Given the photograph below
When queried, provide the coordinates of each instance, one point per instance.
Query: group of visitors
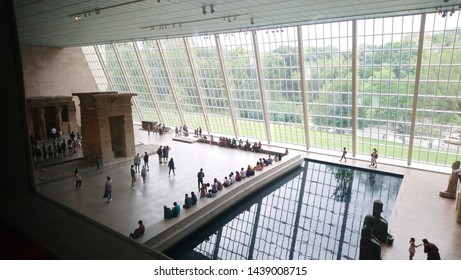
(57, 149)
(246, 146)
(183, 130)
(159, 128)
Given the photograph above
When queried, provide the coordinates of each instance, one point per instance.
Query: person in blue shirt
(176, 209)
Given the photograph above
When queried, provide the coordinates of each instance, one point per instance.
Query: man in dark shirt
(200, 176)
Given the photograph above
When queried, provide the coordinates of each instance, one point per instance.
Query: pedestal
(458, 208)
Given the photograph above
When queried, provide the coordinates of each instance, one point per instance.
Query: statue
(452, 181)
(381, 226)
(370, 247)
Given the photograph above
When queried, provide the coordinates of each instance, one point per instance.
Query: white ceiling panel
(52, 22)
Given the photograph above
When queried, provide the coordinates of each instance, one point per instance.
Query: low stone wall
(166, 233)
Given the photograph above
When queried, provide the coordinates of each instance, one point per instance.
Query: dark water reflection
(299, 217)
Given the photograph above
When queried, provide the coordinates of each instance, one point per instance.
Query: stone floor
(419, 212)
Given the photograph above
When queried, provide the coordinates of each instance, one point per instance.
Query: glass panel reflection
(307, 215)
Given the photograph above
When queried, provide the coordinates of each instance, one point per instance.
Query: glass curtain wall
(240, 62)
(158, 79)
(278, 51)
(211, 84)
(183, 85)
(132, 66)
(187, 81)
(96, 67)
(328, 68)
(438, 118)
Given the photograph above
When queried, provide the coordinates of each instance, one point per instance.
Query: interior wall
(56, 72)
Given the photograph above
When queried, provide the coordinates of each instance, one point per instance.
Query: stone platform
(189, 139)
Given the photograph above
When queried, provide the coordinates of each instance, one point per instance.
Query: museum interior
(96, 83)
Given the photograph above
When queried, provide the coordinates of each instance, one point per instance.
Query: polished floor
(419, 211)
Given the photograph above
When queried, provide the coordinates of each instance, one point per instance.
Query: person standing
(171, 167)
(143, 174)
(137, 162)
(412, 248)
(98, 165)
(133, 175)
(344, 155)
(146, 160)
(148, 129)
(108, 190)
(78, 179)
(200, 176)
(431, 250)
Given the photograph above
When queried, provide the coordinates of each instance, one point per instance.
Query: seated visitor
(210, 194)
(258, 166)
(250, 171)
(276, 158)
(187, 202)
(139, 231)
(262, 162)
(234, 143)
(176, 209)
(226, 182)
(231, 178)
(247, 145)
(219, 185)
(254, 148)
(240, 144)
(269, 160)
(260, 146)
(204, 190)
(237, 176)
(167, 213)
(214, 187)
(193, 198)
(243, 173)
(266, 162)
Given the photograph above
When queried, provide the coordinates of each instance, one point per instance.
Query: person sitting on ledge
(167, 213)
(214, 187)
(226, 182)
(210, 194)
(203, 190)
(258, 166)
(139, 231)
(243, 173)
(231, 178)
(193, 198)
(269, 160)
(187, 202)
(237, 176)
(176, 209)
(250, 171)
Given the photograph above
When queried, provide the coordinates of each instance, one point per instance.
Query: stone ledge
(168, 232)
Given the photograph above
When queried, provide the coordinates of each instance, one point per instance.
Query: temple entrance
(117, 130)
(107, 125)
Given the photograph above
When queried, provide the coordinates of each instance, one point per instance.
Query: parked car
(453, 139)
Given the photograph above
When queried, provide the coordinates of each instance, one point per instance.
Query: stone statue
(380, 229)
(453, 181)
(370, 247)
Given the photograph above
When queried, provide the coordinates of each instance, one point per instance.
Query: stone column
(42, 124)
(58, 117)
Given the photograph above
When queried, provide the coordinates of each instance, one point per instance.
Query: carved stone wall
(107, 125)
(44, 113)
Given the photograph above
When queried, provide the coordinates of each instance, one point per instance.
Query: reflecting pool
(315, 212)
